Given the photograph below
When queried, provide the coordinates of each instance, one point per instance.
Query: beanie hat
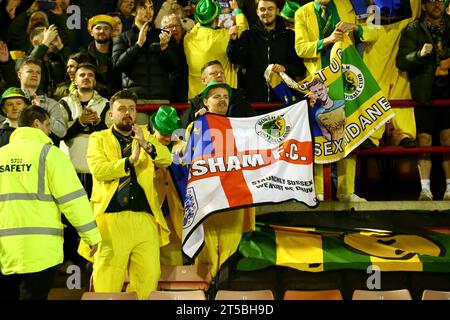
(101, 18)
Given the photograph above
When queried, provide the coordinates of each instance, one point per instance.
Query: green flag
(347, 103)
(317, 250)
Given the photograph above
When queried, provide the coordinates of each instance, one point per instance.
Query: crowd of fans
(89, 63)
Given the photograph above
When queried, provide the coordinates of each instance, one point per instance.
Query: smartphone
(224, 4)
(46, 4)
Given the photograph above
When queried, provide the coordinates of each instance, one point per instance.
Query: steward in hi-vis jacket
(37, 183)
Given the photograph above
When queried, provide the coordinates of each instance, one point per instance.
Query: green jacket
(420, 70)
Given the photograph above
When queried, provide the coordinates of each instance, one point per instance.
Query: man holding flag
(222, 231)
(318, 26)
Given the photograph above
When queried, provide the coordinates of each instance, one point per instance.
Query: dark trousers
(27, 286)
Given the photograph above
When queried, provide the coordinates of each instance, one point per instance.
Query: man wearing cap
(223, 231)
(11, 105)
(288, 14)
(267, 42)
(163, 125)
(122, 161)
(100, 50)
(238, 106)
(205, 43)
(145, 55)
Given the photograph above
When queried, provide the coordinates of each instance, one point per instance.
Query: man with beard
(424, 47)
(145, 57)
(84, 112)
(267, 42)
(100, 50)
(122, 160)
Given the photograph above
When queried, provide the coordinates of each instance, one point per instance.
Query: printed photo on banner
(346, 103)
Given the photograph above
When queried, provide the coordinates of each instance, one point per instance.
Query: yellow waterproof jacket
(37, 183)
(107, 166)
(307, 32)
(379, 56)
(204, 44)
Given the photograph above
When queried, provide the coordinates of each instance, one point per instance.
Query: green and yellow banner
(347, 104)
(313, 250)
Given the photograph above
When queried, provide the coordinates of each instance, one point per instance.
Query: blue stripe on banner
(284, 93)
(180, 174)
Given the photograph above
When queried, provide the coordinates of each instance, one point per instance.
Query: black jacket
(106, 75)
(53, 70)
(178, 78)
(256, 49)
(238, 107)
(5, 133)
(421, 70)
(145, 70)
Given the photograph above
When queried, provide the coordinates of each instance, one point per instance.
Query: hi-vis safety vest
(37, 183)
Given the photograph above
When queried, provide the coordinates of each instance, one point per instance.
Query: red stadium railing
(384, 150)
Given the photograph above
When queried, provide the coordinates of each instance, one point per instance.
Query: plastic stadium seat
(244, 295)
(190, 277)
(334, 294)
(124, 287)
(178, 295)
(65, 294)
(109, 296)
(435, 295)
(402, 294)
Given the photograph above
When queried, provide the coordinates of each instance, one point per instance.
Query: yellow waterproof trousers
(223, 232)
(129, 240)
(346, 171)
(171, 254)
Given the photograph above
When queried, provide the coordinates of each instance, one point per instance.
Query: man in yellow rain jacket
(205, 42)
(379, 57)
(318, 25)
(125, 201)
(163, 124)
(37, 183)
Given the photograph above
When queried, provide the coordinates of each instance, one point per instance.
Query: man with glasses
(122, 160)
(424, 52)
(238, 105)
(178, 78)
